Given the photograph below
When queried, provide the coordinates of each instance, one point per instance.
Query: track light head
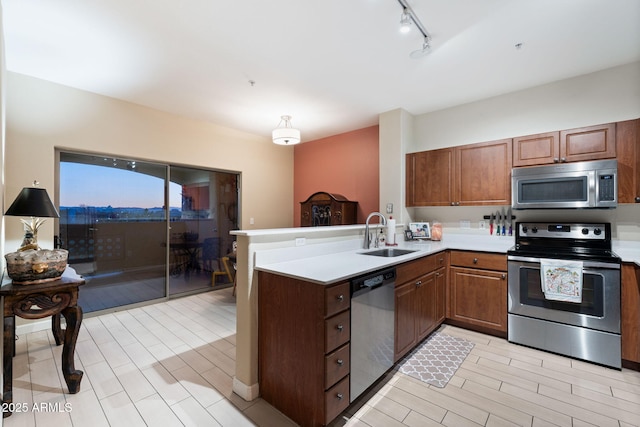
(405, 21)
(425, 50)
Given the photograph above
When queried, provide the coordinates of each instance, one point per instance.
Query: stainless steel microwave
(591, 184)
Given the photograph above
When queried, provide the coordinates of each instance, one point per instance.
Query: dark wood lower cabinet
(303, 340)
(630, 316)
(420, 302)
(478, 292)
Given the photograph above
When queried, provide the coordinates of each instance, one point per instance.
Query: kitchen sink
(389, 252)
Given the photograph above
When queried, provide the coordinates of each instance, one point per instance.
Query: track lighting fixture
(408, 16)
(285, 134)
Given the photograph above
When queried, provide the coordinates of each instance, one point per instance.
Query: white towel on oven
(561, 280)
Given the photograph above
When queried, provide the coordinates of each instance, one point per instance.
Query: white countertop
(628, 251)
(333, 262)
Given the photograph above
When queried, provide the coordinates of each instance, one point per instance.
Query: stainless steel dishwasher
(372, 328)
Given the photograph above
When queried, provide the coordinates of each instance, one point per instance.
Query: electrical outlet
(389, 208)
(251, 221)
(300, 241)
(465, 224)
(482, 225)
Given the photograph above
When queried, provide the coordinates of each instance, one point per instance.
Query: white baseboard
(247, 392)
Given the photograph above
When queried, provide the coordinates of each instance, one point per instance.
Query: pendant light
(284, 134)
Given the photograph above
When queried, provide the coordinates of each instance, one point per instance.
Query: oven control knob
(534, 230)
(525, 229)
(585, 231)
(597, 231)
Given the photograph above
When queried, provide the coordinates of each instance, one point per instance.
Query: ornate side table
(37, 301)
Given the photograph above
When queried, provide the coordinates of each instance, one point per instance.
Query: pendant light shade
(284, 134)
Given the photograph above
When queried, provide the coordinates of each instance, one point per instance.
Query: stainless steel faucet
(367, 238)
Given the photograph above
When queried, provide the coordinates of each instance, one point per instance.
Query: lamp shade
(34, 202)
(286, 136)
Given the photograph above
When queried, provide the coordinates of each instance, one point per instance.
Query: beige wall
(606, 96)
(42, 116)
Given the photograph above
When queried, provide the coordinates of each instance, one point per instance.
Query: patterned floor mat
(437, 359)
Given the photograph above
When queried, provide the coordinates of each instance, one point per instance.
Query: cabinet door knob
(340, 362)
(563, 159)
(638, 199)
(418, 283)
(475, 260)
(339, 396)
(504, 276)
(556, 160)
(340, 297)
(453, 203)
(340, 328)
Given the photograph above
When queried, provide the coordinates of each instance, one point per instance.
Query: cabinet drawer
(336, 400)
(412, 269)
(336, 299)
(337, 331)
(336, 366)
(481, 260)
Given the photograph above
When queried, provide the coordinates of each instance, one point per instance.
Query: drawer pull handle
(475, 260)
(340, 297)
(339, 396)
(340, 328)
(419, 283)
(339, 362)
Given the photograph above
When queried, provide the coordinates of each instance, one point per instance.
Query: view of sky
(90, 185)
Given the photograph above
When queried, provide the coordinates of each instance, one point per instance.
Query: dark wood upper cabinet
(475, 174)
(628, 149)
(573, 145)
(537, 149)
(483, 173)
(430, 178)
(588, 143)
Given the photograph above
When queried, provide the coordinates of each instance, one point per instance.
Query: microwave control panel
(607, 186)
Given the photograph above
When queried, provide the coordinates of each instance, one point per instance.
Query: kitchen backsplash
(625, 219)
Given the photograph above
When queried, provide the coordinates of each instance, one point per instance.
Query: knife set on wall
(503, 222)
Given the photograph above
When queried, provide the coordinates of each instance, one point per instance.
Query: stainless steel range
(564, 291)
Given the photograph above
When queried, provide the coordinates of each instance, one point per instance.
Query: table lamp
(31, 264)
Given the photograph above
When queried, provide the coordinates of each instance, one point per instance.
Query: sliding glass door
(199, 228)
(139, 231)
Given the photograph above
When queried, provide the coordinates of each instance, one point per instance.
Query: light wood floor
(172, 363)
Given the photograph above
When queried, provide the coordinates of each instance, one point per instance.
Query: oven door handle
(585, 264)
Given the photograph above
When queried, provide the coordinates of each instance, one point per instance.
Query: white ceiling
(334, 65)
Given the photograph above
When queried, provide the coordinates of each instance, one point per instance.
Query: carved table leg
(73, 317)
(8, 349)
(58, 333)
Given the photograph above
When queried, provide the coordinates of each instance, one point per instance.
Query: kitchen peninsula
(327, 258)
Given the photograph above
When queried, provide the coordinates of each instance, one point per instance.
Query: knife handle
(510, 231)
(491, 229)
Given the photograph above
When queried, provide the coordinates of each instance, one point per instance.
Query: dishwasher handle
(371, 281)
